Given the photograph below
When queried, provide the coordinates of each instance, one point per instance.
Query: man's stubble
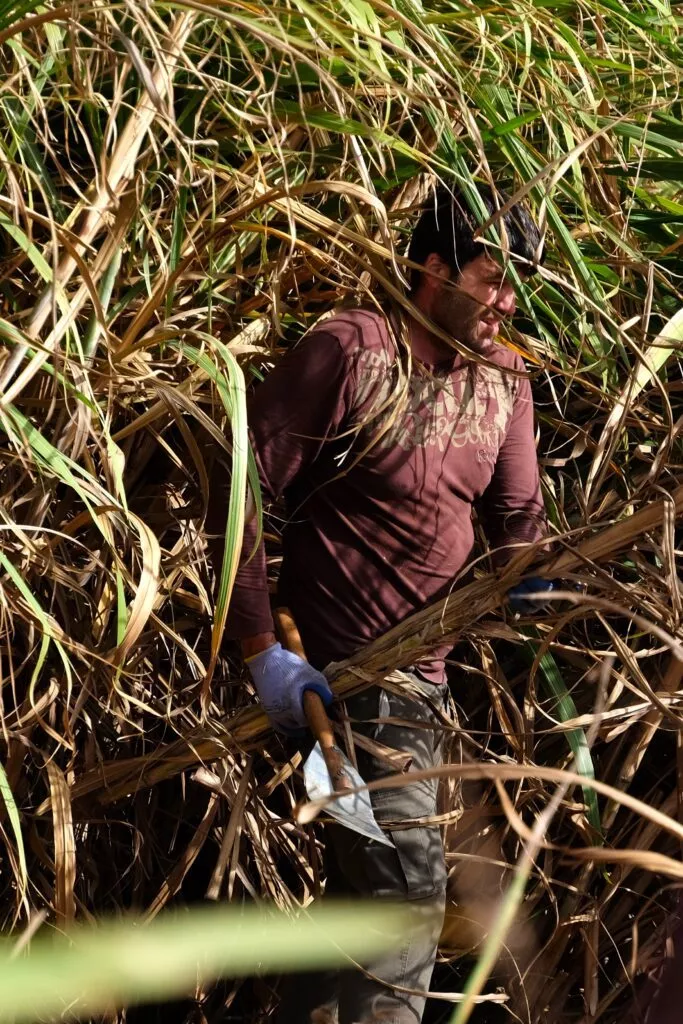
(459, 316)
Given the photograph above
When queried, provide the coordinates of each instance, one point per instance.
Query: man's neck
(426, 347)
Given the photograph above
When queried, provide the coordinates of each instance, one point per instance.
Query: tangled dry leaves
(183, 191)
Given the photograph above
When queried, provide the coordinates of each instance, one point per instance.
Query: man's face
(471, 306)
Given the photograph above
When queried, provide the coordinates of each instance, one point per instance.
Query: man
(379, 461)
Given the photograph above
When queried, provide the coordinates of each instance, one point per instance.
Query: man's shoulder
(506, 358)
(356, 329)
(505, 368)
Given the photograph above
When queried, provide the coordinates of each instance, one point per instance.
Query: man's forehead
(495, 262)
(492, 263)
(486, 263)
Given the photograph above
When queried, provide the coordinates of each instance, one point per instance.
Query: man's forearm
(249, 618)
(509, 534)
(252, 645)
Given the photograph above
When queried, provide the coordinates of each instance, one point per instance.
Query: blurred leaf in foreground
(127, 961)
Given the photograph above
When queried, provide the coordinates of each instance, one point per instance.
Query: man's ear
(436, 271)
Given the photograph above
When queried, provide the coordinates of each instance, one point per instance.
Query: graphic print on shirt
(469, 406)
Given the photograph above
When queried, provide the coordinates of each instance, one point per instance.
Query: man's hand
(530, 595)
(281, 678)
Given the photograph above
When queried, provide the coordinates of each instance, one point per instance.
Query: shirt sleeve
(301, 403)
(512, 506)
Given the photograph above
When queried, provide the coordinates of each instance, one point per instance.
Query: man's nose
(505, 302)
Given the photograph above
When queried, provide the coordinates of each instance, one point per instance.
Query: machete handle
(319, 724)
(288, 632)
(314, 709)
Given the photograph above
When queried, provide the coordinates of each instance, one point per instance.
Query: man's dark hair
(447, 227)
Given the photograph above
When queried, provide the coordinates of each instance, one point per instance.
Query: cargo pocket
(415, 869)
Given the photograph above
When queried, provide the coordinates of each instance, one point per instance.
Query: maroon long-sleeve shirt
(377, 495)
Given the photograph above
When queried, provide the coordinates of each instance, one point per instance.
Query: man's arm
(302, 401)
(512, 506)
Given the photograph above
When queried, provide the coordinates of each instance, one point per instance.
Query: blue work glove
(523, 604)
(281, 679)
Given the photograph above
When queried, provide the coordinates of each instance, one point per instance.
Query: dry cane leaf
(65, 846)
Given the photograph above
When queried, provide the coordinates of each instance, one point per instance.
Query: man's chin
(480, 345)
(479, 341)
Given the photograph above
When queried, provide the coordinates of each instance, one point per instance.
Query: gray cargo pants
(413, 870)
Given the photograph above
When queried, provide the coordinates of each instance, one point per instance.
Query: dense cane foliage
(184, 189)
